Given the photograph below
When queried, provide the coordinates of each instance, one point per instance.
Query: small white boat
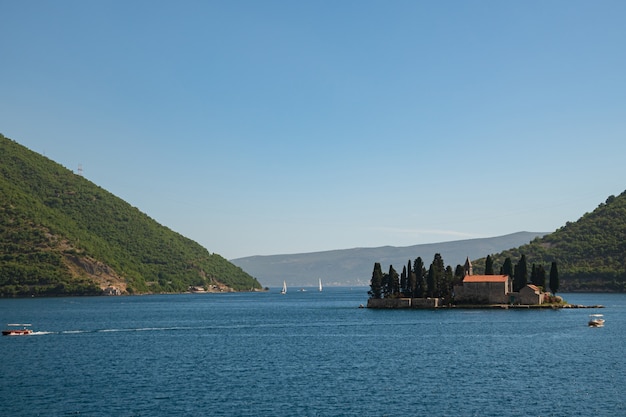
(320, 285)
(284, 290)
(596, 320)
(24, 331)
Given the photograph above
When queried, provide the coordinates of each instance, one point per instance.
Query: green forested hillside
(62, 234)
(590, 253)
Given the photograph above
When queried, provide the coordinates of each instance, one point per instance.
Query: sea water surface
(308, 354)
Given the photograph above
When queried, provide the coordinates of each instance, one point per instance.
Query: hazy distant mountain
(354, 266)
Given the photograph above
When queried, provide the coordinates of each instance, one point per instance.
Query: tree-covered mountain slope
(60, 234)
(590, 253)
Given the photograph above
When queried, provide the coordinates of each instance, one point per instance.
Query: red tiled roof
(533, 287)
(485, 278)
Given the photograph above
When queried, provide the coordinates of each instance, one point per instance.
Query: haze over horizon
(262, 128)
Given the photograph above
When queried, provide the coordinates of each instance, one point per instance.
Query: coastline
(437, 303)
(522, 306)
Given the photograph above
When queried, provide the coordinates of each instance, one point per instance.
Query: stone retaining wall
(403, 303)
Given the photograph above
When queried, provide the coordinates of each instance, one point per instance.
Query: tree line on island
(438, 281)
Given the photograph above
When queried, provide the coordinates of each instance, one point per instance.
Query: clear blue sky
(271, 127)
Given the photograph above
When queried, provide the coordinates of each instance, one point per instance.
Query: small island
(440, 288)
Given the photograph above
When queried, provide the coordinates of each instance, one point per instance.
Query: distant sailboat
(320, 285)
(284, 290)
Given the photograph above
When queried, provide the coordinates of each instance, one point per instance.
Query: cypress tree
(507, 268)
(533, 275)
(394, 281)
(459, 274)
(448, 282)
(376, 282)
(420, 278)
(521, 274)
(554, 278)
(435, 279)
(404, 283)
(488, 265)
(412, 281)
(430, 281)
(441, 278)
(541, 276)
(387, 286)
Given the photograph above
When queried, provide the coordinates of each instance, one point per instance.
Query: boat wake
(128, 330)
(117, 330)
(143, 329)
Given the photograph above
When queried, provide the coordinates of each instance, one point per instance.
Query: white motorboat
(596, 320)
(24, 331)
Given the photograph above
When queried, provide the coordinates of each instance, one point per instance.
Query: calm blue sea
(308, 354)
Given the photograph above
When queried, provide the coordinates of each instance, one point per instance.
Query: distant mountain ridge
(354, 266)
(60, 234)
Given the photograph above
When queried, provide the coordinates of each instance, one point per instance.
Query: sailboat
(284, 290)
(320, 285)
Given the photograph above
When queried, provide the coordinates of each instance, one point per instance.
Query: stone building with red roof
(493, 289)
(531, 294)
(484, 289)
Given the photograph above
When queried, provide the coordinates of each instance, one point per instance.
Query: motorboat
(24, 331)
(596, 320)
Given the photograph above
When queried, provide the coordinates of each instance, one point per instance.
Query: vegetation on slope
(591, 252)
(62, 234)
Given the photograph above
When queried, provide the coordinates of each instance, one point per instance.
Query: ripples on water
(308, 354)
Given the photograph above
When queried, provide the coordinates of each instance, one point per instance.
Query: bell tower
(467, 268)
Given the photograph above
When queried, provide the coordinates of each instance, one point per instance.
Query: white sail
(320, 284)
(284, 290)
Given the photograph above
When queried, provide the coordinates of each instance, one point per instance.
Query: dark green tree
(441, 277)
(404, 282)
(387, 286)
(395, 281)
(459, 274)
(411, 280)
(507, 268)
(448, 283)
(541, 276)
(533, 275)
(521, 274)
(554, 278)
(420, 278)
(430, 281)
(435, 277)
(489, 265)
(376, 283)
(391, 283)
